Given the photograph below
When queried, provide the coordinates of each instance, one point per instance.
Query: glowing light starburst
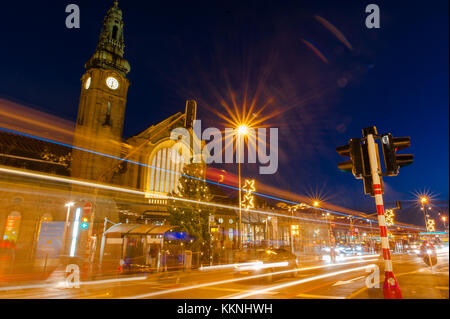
(423, 197)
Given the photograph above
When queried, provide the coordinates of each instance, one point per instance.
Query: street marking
(441, 288)
(319, 296)
(345, 282)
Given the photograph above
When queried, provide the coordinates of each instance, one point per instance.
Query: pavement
(345, 279)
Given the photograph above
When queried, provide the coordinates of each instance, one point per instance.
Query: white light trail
(165, 170)
(131, 191)
(360, 256)
(299, 282)
(73, 246)
(229, 265)
(261, 265)
(214, 283)
(61, 284)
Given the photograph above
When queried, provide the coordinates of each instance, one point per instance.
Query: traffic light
(359, 163)
(354, 150)
(84, 221)
(393, 161)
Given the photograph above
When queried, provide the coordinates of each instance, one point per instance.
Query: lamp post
(444, 219)
(266, 221)
(241, 131)
(423, 201)
(370, 236)
(63, 244)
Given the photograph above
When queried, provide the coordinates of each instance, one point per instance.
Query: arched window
(108, 114)
(114, 32)
(166, 165)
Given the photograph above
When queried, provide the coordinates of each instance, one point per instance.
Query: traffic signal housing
(393, 161)
(353, 150)
(359, 163)
(84, 222)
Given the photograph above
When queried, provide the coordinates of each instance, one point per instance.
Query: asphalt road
(346, 279)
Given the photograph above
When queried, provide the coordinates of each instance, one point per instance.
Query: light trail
(62, 284)
(214, 283)
(261, 265)
(141, 193)
(208, 181)
(327, 258)
(229, 265)
(299, 282)
(361, 256)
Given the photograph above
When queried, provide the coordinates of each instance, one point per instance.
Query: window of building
(166, 166)
(108, 114)
(12, 227)
(230, 233)
(114, 32)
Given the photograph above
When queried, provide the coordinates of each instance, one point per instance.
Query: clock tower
(102, 103)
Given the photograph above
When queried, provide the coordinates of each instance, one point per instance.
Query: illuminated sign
(12, 227)
(389, 217)
(431, 225)
(249, 187)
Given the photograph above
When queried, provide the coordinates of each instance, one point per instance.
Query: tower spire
(110, 46)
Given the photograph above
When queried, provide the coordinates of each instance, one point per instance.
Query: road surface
(343, 280)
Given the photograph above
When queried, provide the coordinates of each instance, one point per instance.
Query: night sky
(395, 78)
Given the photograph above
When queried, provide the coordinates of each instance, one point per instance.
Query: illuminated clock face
(112, 83)
(88, 83)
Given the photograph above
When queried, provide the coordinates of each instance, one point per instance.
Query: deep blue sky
(396, 77)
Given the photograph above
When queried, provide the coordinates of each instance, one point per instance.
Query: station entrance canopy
(121, 230)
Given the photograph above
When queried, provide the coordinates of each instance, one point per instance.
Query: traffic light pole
(391, 289)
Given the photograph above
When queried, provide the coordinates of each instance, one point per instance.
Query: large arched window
(166, 165)
(165, 170)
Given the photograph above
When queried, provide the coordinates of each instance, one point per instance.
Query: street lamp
(370, 237)
(423, 201)
(68, 205)
(444, 219)
(242, 131)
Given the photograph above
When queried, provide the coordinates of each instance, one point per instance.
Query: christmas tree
(187, 211)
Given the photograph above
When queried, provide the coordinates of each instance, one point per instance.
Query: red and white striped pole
(391, 289)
